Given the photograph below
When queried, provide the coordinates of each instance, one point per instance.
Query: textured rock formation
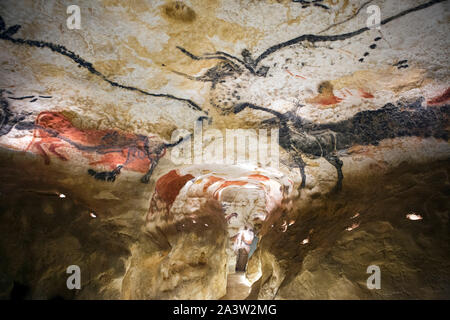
(163, 143)
(199, 218)
(366, 225)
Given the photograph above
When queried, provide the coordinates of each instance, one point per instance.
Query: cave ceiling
(117, 147)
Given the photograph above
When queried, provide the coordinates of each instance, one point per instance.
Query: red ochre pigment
(170, 184)
(441, 98)
(107, 147)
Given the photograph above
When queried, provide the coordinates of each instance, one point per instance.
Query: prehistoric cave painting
(298, 136)
(179, 11)
(230, 63)
(308, 3)
(132, 147)
(356, 13)
(6, 34)
(216, 74)
(32, 98)
(326, 140)
(402, 64)
(106, 175)
(372, 47)
(442, 98)
(53, 131)
(243, 220)
(251, 64)
(369, 127)
(8, 119)
(326, 95)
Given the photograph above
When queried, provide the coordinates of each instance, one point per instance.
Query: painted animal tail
(171, 145)
(92, 172)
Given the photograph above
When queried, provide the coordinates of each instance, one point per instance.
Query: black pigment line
(87, 65)
(239, 107)
(153, 154)
(348, 19)
(306, 3)
(317, 38)
(400, 62)
(21, 98)
(109, 176)
(219, 55)
(171, 145)
(250, 68)
(101, 149)
(207, 57)
(321, 6)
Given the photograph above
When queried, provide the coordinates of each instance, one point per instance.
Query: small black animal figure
(307, 3)
(8, 119)
(158, 153)
(106, 175)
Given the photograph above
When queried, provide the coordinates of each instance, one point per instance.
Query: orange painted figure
(325, 96)
(111, 148)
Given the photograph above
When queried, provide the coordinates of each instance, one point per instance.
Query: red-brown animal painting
(114, 149)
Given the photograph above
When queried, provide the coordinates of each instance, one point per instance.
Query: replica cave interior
(224, 149)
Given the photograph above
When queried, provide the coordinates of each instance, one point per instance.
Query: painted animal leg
(131, 155)
(42, 152)
(52, 149)
(146, 177)
(301, 165)
(337, 163)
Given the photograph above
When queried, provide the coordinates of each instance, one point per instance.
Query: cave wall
(366, 225)
(118, 154)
